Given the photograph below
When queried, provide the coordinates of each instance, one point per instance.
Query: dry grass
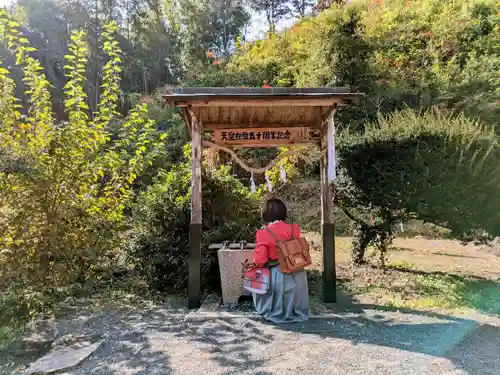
(425, 274)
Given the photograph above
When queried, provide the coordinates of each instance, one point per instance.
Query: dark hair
(274, 209)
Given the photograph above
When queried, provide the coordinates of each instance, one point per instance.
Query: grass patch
(6, 335)
(409, 283)
(404, 287)
(456, 292)
(400, 265)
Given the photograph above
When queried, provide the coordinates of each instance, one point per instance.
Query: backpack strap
(273, 234)
(276, 237)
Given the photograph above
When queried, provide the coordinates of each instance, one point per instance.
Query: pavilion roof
(260, 107)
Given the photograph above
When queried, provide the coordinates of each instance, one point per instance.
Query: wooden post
(327, 226)
(194, 281)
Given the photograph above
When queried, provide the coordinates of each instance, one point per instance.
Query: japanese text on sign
(264, 137)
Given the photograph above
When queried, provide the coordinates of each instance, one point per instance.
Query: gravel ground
(145, 339)
(168, 340)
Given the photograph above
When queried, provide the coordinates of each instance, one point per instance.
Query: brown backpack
(293, 254)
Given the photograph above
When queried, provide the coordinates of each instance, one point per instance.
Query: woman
(287, 300)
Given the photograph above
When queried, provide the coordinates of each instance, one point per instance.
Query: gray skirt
(287, 300)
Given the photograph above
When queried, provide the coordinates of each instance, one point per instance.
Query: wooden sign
(265, 137)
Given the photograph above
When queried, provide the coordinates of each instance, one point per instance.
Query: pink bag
(257, 279)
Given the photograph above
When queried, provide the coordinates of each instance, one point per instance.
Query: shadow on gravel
(224, 342)
(479, 352)
(431, 338)
(470, 346)
(126, 348)
(164, 340)
(159, 341)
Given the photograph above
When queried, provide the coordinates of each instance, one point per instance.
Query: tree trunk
(364, 235)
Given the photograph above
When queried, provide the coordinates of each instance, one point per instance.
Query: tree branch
(352, 217)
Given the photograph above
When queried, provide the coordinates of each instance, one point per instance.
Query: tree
(150, 52)
(275, 10)
(205, 26)
(66, 185)
(300, 7)
(48, 26)
(434, 167)
(325, 4)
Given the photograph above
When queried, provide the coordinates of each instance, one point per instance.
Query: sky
(258, 26)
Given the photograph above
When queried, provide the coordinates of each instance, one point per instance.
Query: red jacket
(265, 244)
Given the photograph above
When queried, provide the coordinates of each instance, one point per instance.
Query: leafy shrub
(161, 217)
(415, 53)
(170, 126)
(433, 167)
(64, 186)
(303, 199)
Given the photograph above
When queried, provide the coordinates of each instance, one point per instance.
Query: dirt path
(168, 339)
(429, 255)
(165, 341)
(448, 256)
(422, 274)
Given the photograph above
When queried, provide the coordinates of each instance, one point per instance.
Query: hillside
(401, 53)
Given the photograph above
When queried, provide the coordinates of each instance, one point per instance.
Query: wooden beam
(215, 126)
(325, 114)
(327, 226)
(195, 230)
(187, 119)
(265, 137)
(259, 102)
(258, 91)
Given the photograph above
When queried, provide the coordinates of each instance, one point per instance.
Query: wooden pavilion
(261, 117)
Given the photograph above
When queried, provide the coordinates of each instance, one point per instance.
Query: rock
(211, 303)
(63, 358)
(230, 264)
(40, 333)
(73, 338)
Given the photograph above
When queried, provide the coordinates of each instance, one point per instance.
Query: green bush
(161, 217)
(169, 125)
(433, 167)
(400, 53)
(63, 186)
(303, 199)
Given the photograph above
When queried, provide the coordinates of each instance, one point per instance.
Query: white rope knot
(253, 188)
(268, 182)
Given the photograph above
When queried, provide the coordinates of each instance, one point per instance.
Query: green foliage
(433, 167)
(65, 185)
(286, 164)
(219, 76)
(440, 52)
(420, 290)
(399, 53)
(161, 217)
(417, 54)
(205, 26)
(150, 56)
(170, 127)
